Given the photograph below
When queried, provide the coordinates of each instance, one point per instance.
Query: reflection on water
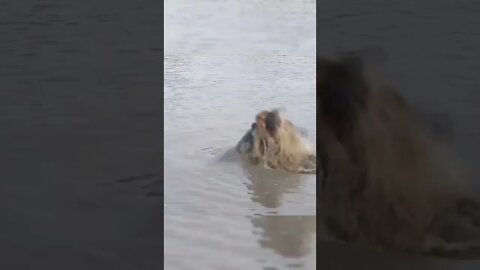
(290, 236)
(268, 186)
(224, 62)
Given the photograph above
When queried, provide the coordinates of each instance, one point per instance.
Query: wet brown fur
(278, 145)
(379, 176)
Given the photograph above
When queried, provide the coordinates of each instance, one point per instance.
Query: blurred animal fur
(274, 142)
(380, 181)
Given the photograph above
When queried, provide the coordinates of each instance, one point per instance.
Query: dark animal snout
(246, 143)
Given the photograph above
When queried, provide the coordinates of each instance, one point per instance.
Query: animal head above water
(274, 142)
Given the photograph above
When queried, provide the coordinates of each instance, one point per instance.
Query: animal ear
(349, 69)
(342, 93)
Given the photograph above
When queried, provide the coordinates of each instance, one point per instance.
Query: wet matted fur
(380, 181)
(274, 142)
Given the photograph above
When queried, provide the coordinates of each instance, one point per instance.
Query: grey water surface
(224, 62)
(80, 153)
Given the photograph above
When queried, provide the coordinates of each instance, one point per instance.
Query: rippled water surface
(79, 110)
(225, 61)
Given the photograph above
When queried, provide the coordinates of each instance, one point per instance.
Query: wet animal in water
(381, 183)
(273, 141)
